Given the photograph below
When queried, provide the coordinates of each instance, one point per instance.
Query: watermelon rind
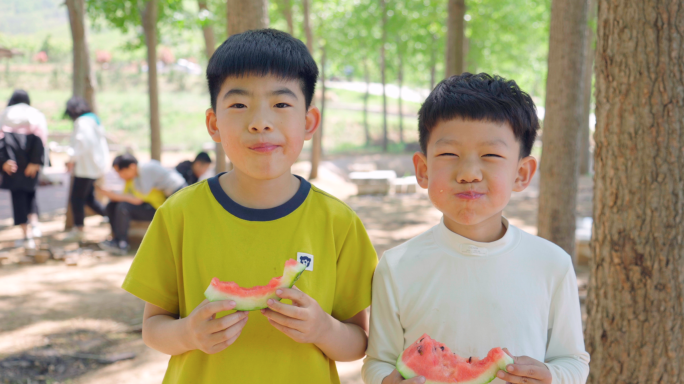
(484, 378)
(290, 276)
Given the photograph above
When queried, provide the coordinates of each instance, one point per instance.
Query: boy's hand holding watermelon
(525, 370)
(305, 322)
(396, 378)
(210, 335)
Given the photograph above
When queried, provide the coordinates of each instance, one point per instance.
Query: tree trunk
(307, 25)
(587, 74)
(635, 332)
(317, 147)
(366, 76)
(400, 79)
(383, 8)
(433, 62)
(208, 32)
(559, 165)
(83, 76)
(242, 16)
(455, 36)
(286, 6)
(149, 19)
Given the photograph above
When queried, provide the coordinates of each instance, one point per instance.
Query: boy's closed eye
(237, 105)
(283, 105)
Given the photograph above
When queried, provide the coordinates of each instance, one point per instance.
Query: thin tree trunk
(208, 32)
(383, 7)
(366, 76)
(242, 16)
(286, 8)
(306, 4)
(400, 79)
(455, 36)
(317, 147)
(433, 62)
(587, 75)
(84, 82)
(559, 166)
(635, 332)
(149, 19)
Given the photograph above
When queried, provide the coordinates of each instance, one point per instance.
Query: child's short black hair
(203, 157)
(262, 52)
(19, 96)
(77, 107)
(480, 97)
(124, 161)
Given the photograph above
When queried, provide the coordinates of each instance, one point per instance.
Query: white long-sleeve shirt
(519, 292)
(89, 149)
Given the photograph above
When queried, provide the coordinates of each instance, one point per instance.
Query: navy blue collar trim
(252, 214)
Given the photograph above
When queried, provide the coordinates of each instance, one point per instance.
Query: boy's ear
(313, 121)
(420, 164)
(211, 125)
(527, 166)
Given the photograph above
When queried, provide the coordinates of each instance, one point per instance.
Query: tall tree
(242, 16)
(455, 38)
(83, 75)
(562, 122)
(317, 144)
(383, 72)
(400, 83)
(317, 141)
(207, 30)
(366, 95)
(285, 7)
(149, 15)
(587, 75)
(635, 332)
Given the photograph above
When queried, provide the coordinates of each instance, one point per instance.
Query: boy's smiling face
(470, 170)
(262, 123)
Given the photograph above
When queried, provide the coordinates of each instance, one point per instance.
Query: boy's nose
(258, 128)
(469, 174)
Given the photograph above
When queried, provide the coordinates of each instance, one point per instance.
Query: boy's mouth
(264, 147)
(469, 195)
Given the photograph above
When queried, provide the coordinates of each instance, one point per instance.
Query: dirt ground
(74, 324)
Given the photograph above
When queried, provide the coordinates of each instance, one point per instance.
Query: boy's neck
(491, 229)
(259, 194)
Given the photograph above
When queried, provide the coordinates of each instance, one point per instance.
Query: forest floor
(74, 324)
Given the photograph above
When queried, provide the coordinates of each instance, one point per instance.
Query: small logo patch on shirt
(306, 259)
(468, 249)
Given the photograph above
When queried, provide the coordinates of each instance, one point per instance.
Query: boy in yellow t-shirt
(243, 225)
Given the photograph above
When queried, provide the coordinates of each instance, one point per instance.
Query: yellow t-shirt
(200, 233)
(155, 197)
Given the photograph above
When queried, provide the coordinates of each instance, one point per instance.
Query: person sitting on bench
(193, 170)
(147, 187)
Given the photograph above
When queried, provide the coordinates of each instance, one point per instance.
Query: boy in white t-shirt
(475, 282)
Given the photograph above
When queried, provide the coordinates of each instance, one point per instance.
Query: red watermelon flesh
(434, 361)
(250, 299)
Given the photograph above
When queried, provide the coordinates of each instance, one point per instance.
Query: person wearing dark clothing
(193, 170)
(21, 157)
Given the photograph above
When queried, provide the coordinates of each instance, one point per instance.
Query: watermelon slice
(434, 361)
(251, 299)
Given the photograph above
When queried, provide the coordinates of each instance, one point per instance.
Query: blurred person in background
(192, 171)
(89, 160)
(23, 131)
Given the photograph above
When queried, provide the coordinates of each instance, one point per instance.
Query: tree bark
(242, 16)
(84, 82)
(400, 80)
(366, 76)
(306, 4)
(587, 75)
(149, 21)
(433, 62)
(455, 37)
(635, 332)
(208, 32)
(317, 147)
(559, 165)
(286, 6)
(383, 67)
